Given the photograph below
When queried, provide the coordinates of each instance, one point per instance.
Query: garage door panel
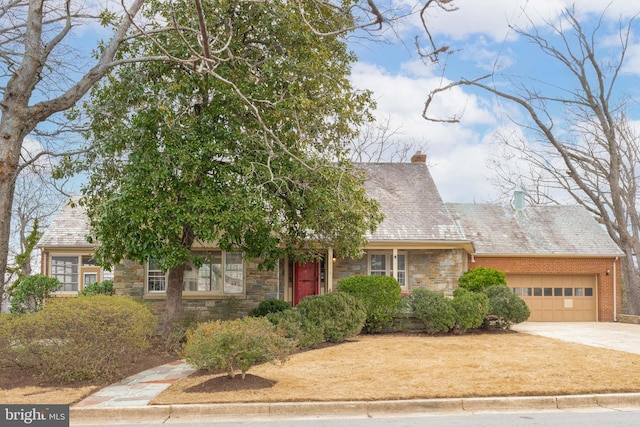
(557, 298)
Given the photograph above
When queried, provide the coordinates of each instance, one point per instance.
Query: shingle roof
(411, 203)
(534, 230)
(68, 229)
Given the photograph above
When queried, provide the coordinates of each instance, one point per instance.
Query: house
(422, 242)
(557, 258)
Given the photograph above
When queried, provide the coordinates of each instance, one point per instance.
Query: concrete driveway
(616, 336)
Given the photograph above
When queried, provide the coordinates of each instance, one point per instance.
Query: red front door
(305, 280)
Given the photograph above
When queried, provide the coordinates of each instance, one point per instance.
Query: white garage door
(557, 298)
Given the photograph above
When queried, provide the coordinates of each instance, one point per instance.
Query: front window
(156, 278)
(65, 269)
(221, 273)
(381, 264)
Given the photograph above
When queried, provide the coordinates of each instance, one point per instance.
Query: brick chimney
(419, 157)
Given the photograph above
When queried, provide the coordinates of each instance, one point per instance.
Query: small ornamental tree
(478, 279)
(236, 345)
(28, 295)
(380, 295)
(433, 309)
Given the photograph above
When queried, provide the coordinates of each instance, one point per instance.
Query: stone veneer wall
(130, 278)
(434, 269)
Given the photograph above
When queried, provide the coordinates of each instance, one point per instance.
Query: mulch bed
(13, 377)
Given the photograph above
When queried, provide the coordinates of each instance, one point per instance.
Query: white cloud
(456, 156)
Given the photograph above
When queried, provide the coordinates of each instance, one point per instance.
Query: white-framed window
(221, 273)
(381, 264)
(156, 278)
(65, 269)
(90, 279)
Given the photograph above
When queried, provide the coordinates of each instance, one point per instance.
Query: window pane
(90, 278)
(517, 291)
(233, 273)
(568, 292)
(190, 278)
(65, 269)
(557, 292)
(378, 265)
(537, 292)
(578, 292)
(211, 273)
(156, 279)
(526, 292)
(402, 270)
(588, 292)
(548, 292)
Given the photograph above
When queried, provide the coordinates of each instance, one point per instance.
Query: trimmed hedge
(102, 288)
(508, 307)
(478, 279)
(471, 309)
(433, 309)
(304, 332)
(339, 315)
(270, 306)
(85, 338)
(380, 295)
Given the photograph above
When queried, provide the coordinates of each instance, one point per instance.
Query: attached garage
(557, 298)
(557, 258)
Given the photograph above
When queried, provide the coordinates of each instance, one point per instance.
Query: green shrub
(508, 307)
(380, 295)
(270, 306)
(6, 336)
(102, 288)
(433, 309)
(234, 345)
(88, 338)
(304, 332)
(471, 309)
(28, 295)
(480, 278)
(340, 315)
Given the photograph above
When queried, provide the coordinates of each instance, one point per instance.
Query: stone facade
(130, 280)
(434, 269)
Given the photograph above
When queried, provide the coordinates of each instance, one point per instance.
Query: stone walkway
(138, 389)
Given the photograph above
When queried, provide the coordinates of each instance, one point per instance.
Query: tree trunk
(631, 284)
(10, 146)
(173, 303)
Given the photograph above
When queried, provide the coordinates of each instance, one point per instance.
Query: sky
(480, 41)
(479, 36)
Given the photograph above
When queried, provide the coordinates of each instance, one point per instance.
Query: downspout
(615, 303)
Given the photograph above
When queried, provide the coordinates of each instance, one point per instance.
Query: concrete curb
(162, 413)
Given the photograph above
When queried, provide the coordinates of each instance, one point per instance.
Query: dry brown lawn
(417, 367)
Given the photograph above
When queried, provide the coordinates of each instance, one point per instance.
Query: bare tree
(37, 82)
(381, 142)
(581, 137)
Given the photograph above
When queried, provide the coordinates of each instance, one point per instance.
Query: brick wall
(542, 265)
